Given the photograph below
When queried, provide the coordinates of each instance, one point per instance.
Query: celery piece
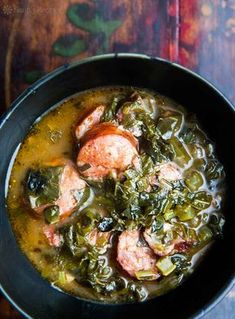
(62, 277)
(165, 265)
(182, 156)
(185, 212)
(193, 180)
(145, 275)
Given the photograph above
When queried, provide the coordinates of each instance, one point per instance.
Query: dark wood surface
(38, 36)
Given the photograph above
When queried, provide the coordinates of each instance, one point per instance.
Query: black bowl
(22, 284)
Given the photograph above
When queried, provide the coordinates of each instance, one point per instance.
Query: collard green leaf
(51, 214)
(110, 111)
(169, 125)
(42, 185)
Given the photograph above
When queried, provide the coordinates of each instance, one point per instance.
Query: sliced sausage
(43, 189)
(70, 184)
(89, 119)
(134, 255)
(106, 149)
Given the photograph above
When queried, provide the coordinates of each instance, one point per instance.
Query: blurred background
(38, 36)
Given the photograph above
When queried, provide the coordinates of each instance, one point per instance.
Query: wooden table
(38, 36)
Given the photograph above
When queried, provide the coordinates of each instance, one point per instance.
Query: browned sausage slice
(106, 149)
(89, 119)
(134, 255)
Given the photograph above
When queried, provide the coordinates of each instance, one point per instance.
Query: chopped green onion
(165, 265)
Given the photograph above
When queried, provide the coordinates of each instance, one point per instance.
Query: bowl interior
(22, 283)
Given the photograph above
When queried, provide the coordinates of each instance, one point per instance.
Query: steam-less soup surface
(115, 194)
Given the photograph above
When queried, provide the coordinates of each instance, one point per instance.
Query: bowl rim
(219, 296)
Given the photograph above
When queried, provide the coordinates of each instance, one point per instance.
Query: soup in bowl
(118, 192)
(122, 198)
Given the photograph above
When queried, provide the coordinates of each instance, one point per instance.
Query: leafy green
(168, 126)
(110, 111)
(42, 186)
(193, 134)
(51, 214)
(73, 241)
(154, 145)
(87, 220)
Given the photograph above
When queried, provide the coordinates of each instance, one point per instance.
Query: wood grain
(38, 36)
